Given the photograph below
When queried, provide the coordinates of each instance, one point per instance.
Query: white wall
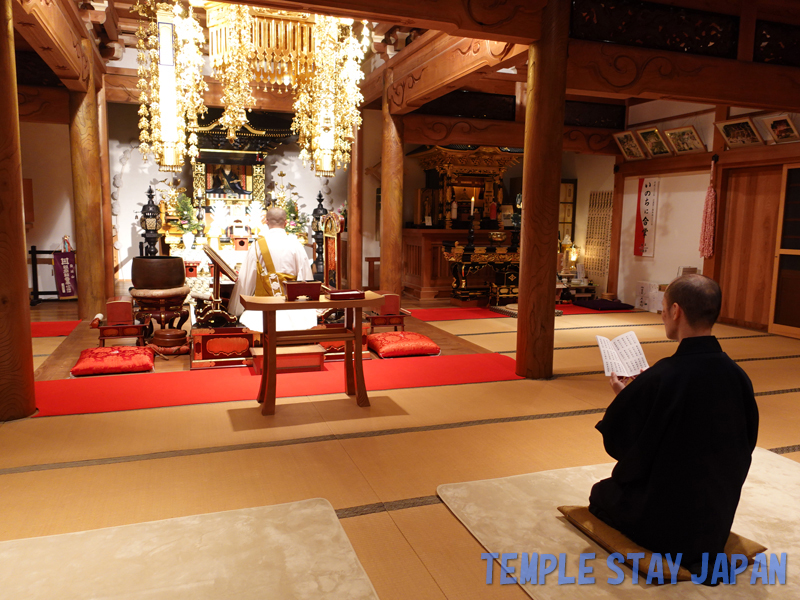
(595, 173)
(679, 217)
(46, 160)
(130, 179)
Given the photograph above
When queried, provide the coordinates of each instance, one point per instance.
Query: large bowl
(157, 272)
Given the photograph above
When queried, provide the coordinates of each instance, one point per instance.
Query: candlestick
(472, 207)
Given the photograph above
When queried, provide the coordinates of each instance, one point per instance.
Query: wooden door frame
(773, 327)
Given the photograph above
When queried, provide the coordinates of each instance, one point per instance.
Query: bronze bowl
(497, 236)
(157, 272)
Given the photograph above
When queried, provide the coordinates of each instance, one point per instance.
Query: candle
(472, 207)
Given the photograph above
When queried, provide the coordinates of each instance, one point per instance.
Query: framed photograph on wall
(685, 140)
(629, 146)
(739, 133)
(654, 142)
(781, 128)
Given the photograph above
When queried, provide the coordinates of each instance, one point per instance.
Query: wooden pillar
(355, 213)
(541, 184)
(16, 364)
(612, 283)
(105, 183)
(84, 137)
(391, 196)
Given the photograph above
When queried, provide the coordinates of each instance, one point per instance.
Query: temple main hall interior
(482, 191)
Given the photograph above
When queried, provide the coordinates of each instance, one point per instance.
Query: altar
(428, 269)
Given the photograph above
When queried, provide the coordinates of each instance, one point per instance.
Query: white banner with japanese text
(646, 210)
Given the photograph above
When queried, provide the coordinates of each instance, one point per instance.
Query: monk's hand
(617, 384)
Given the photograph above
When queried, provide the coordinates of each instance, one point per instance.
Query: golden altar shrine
(427, 273)
(496, 267)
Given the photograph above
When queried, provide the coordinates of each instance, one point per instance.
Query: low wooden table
(350, 334)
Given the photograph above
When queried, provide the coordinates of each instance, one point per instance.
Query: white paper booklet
(623, 355)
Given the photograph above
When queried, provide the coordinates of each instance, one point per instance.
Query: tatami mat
(91, 497)
(74, 473)
(413, 464)
(779, 420)
(519, 514)
(396, 569)
(451, 554)
(297, 550)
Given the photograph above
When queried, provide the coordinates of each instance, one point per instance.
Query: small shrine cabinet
(464, 187)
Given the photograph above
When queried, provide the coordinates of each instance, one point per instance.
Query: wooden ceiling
(435, 47)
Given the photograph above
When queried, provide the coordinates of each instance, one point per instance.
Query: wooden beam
(448, 70)
(49, 30)
(43, 104)
(120, 87)
(440, 131)
(621, 71)
(515, 21)
(423, 49)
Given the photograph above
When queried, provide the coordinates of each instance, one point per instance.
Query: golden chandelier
(170, 82)
(326, 104)
(317, 57)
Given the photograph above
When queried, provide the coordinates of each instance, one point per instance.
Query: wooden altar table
(350, 334)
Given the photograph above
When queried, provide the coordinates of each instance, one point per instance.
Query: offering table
(350, 334)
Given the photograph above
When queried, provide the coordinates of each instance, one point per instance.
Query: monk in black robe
(682, 433)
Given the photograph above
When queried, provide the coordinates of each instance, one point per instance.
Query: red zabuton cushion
(115, 359)
(392, 344)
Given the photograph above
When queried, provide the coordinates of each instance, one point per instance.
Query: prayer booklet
(623, 355)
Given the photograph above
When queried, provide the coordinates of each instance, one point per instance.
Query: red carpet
(453, 314)
(52, 328)
(151, 390)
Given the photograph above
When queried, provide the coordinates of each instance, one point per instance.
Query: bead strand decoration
(233, 56)
(326, 105)
(170, 81)
(189, 40)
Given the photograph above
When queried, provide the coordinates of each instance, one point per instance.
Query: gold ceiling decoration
(316, 57)
(326, 104)
(170, 82)
(232, 54)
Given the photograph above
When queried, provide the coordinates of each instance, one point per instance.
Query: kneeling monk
(682, 433)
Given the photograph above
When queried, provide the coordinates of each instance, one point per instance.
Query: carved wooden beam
(516, 21)
(43, 104)
(429, 45)
(120, 87)
(623, 71)
(442, 131)
(49, 29)
(449, 70)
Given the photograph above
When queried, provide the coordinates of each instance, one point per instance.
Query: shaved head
(276, 217)
(698, 296)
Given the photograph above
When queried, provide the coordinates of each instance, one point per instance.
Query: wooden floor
(379, 466)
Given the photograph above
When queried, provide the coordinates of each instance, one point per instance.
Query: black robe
(683, 433)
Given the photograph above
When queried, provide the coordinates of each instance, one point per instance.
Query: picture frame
(630, 147)
(685, 140)
(739, 133)
(781, 128)
(654, 142)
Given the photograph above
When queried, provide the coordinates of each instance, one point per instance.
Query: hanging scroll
(645, 235)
